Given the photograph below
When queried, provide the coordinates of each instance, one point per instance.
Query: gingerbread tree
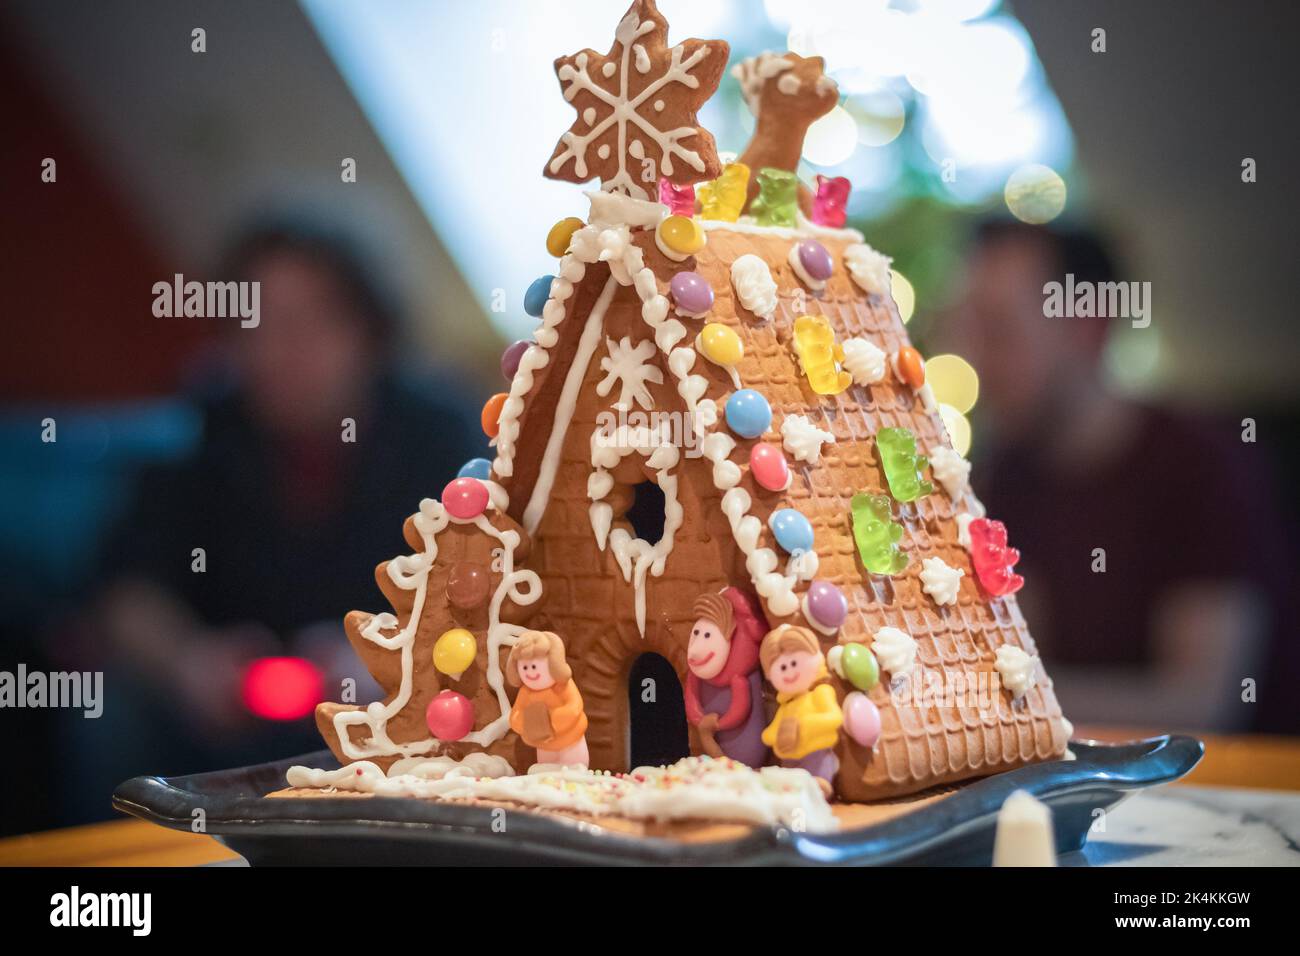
(443, 644)
(637, 109)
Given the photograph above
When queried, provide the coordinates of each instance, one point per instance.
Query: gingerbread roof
(924, 742)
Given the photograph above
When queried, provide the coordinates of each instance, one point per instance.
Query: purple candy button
(815, 260)
(511, 357)
(827, 604)
(692, 293)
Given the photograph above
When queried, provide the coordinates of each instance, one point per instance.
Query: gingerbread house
(700, 396)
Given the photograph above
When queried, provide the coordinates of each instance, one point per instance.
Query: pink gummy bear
(680, 200)
(992, 558)
(831, 199)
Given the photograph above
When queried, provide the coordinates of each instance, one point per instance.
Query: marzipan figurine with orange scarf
(548, 712)
(724, 688)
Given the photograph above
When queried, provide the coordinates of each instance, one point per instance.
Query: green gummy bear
(903, 466)
(877, 534)
(777, 199)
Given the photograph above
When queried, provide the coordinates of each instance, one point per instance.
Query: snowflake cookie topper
(636, 109)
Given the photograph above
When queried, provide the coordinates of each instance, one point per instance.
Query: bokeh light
(1035, 193)
(953, 380)
(958, 426)
(832, 139)
(904, 295)
(282, 688)
(879, 115)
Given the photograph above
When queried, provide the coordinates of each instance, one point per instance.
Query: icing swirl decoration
(895, 650)
(864, 361)
(1016, 668)
(940, 580)
(755, 287)
(868, 268)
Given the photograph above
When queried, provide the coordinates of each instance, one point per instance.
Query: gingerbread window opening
(646, 512)
(656, 726)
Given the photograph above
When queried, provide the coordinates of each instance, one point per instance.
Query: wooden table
(1267, 763)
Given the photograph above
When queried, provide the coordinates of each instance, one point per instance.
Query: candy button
(465, 498)
(491, 416)
(478, 468)
(792, 530)
(815, 259)
(536, 296)
(511, 358)
(748, 413)
(861, 719)
(679, 237)
(450, 716)
(827, 604)
(720, 344)
(454, 651)
(467, 585)
(910, 366)
(859, 667)
(692, 294)
(561, 234)
(768, 466)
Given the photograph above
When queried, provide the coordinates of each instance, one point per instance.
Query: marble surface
(1197, 826)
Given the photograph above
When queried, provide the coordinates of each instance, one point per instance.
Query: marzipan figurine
(808, 717)
(548, 712)
(724, 689)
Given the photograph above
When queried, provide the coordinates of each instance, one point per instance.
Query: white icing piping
(802, 229)
(411, 573)
(564, 408)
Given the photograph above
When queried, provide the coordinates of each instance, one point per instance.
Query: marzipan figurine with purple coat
(724, 688)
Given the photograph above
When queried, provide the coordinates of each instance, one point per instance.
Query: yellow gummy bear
(724, 198)
(820, 355)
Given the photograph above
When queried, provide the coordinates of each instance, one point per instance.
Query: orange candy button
(910, 366)
(492, 414)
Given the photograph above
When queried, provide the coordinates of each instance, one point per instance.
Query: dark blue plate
(957, 829)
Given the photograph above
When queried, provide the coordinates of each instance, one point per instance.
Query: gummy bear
(820, 355)
(877, 534)
(724, 198)
(903, 466)
(992, 558)
(680, 200)
(777, 199)
(831, 199)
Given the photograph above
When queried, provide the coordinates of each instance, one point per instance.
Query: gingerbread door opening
(656, 709)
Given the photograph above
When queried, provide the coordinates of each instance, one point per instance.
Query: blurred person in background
(292, 518)
(1191, 600)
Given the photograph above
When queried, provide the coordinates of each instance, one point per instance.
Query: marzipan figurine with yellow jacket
(804, 731)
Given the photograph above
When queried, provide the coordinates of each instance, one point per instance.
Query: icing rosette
(754, 285)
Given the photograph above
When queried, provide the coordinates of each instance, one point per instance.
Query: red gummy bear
(992, 558)
(828, 205)
(680, 200)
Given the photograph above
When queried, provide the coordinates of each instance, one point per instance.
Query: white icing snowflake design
(627, 365)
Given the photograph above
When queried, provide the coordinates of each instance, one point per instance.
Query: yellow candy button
(681, 235)
(561, 234)
(720, 344)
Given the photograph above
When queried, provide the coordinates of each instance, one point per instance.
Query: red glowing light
(282, 688)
